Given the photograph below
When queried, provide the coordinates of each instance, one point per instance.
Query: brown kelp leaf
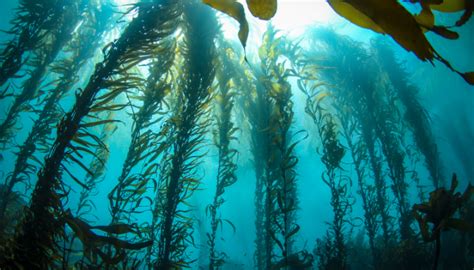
(427, 21)
(425, 18)
(446, 5)
(468, 77)
(389, 17)
(444, 32)
(119, 228)
(263, 9)
(451, 6)
(354, 15)
(236, 11)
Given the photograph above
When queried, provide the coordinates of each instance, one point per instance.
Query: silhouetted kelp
(34, 244)
(44, 56)
(224, 135)
(188, 126)
(85, 204)
(174, 75)
(34, 23)
(270, 113)
(415, 114)
(82, 48)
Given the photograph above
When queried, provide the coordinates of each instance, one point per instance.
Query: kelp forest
(204, 134)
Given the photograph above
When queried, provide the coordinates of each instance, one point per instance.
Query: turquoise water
(201, 82)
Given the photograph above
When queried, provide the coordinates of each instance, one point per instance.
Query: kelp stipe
(44, 56)
(337, 52)
(128, 195)
(332, 250)
(258, 110)
(188, 124)
(224, 135)
(85, 204)
(35, 21)
(281, 201)
(415, 114)
(82, 48)
(34, 245)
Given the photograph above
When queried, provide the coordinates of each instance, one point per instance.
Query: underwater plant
(367, 192)
(440, 210)
(332, 155)
(188, 125)
(34, 243)
(415, 114)
(44, 56)
(270, 115)
(81, 48)
(85, 204)
(34, 23)
(224, 135)
(128, 194)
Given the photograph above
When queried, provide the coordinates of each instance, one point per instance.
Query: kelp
(385, 17)
(188, 125)
(256, 107)
(34, 22)
(82, 49)
(128, 197)
(440, 210)
(45, 55)
(346, 79)
(224, 135)
(34, 245)
(85, 204)
(280, 185)
(145, 146)
(332, 153)
(366, 191)
(415, 115)
(392, 18)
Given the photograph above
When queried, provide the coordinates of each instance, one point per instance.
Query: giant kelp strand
(34, 22)
(224, 135)
(315, 90)
(415, 114)
(280, 185)
(34, 243)
(334, 245)
(366, 191)
(189, 123)
(258, 109)
(342, 73)
(44, 57)
(128, 196)
(85, 204)
(144, 145)
(81, 49)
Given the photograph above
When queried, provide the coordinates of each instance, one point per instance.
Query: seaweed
(187, 127)
(81, 48)
(367, 192)
(35, 242)
(44, 57)
(224, 135)
(34, 23)
(415, 114)
(440, 210)
(332, 154)
(85, 204)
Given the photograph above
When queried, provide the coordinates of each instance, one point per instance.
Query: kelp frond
(188, 125)
(34, 244)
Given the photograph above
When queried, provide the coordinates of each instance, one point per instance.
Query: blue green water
(446, 98)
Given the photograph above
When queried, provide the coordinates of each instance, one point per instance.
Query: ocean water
(322, 140)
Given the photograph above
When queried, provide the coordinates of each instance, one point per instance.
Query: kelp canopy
(161, 134)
